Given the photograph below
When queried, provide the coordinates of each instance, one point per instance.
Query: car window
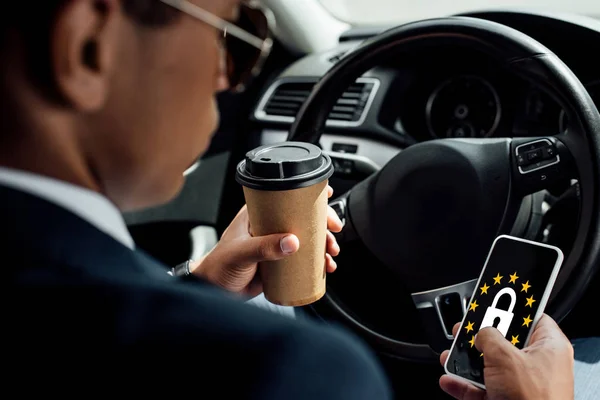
(361, 12)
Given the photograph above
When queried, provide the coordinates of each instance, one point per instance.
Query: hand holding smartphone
(510, 295)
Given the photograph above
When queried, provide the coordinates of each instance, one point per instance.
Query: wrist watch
(182, 270)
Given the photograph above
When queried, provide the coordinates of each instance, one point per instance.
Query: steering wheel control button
(339, 206)
(451, 310)
(538, 144)
(284, 166)
(536, 155)
(549, 152)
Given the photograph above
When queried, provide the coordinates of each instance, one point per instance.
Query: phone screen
(513, 287)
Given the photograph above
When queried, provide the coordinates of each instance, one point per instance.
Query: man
(104, 104)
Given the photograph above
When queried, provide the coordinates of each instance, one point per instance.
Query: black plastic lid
(284, 166)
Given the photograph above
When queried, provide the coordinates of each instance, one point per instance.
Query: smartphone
(511, 294)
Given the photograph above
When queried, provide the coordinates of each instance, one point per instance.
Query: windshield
(368, 12)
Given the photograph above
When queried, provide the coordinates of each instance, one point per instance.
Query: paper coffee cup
(285, 187)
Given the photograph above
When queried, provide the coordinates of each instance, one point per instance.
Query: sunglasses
(247, 41)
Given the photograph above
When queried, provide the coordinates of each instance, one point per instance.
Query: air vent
(283, 101)
(287, 99)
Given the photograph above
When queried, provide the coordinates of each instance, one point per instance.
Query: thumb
(265, 248)
(495, 348)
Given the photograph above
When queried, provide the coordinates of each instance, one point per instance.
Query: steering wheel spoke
(340, 206)
(440, 309)
(541, 163)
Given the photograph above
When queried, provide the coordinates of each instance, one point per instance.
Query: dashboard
(441, 92)
(438, 93)
(470, 98)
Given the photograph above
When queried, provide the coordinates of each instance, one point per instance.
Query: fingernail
(288, 244)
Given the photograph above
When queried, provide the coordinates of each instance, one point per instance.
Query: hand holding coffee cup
(233, 263)
(286, 190)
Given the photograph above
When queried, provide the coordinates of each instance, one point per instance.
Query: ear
(83, 45)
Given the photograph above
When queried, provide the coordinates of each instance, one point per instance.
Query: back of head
(113, 95)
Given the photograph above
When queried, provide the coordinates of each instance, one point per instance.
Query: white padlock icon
(505, 316)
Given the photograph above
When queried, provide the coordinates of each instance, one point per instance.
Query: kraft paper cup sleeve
(285, 186)
(299, 279)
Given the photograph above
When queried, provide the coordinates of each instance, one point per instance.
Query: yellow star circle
(497, 279)
(484, 288)
(469, 327)
(530, 301)
(474, 305)
(472, 341)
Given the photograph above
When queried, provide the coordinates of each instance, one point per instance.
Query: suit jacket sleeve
(180, 339)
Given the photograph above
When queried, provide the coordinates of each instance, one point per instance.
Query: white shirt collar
(88, 205)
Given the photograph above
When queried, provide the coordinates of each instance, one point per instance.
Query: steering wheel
(432, 213)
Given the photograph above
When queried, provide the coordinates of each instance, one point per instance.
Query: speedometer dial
(465, 106)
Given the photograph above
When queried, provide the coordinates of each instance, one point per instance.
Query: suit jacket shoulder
(89, 312)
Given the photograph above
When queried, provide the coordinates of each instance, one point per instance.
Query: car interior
(446, 130)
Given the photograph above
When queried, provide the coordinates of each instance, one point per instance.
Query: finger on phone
(459, 389)
(444, 357)
(490, 341)
(329, 191)
(455, 329)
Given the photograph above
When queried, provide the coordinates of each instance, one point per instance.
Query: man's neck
(36, 136)
(55, 157)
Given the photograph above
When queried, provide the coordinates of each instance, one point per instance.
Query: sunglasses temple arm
(227, 27)
(237, 32)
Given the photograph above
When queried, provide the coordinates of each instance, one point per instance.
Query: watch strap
(182, 269)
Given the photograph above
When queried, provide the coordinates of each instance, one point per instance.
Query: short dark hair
(35, 23)
(21, 14)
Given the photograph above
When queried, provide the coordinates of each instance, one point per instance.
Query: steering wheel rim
(525, 57)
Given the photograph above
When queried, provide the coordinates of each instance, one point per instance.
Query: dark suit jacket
(82, 314)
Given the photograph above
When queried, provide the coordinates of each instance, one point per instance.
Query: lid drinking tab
(284, 166)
